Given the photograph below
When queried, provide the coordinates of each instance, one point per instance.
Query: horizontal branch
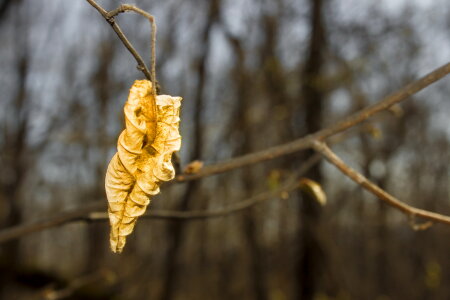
(385, 103)
(205, 214)
(307, 141)
(50, 222)
(361, 180)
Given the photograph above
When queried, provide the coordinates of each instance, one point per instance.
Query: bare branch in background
(374, 189)
(207, 214)
(307, 141)
(50, 222)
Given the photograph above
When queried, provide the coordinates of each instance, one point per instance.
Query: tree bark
(176, 230)
(310, 255)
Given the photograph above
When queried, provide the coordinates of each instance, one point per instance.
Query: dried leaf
(143, 158)
(313, 189)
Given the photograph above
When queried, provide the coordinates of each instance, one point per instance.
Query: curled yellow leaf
(143, 158)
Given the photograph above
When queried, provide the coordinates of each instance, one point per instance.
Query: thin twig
(127, 7)
(361, 180)
(85, 213)
(206, 214)
(141, 64)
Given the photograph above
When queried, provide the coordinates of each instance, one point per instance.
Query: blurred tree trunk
(243, 126)
(102, 85)
(311, 256)
(12, 155)
(5, 6)
(257, 279)
(14, 161)
(176, 229)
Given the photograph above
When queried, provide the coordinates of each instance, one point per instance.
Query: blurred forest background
(253, 74)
